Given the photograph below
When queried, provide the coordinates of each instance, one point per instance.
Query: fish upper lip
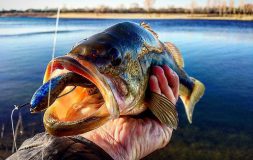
(89, 71)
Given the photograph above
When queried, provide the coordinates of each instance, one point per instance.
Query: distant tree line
(212, 7)
(222, 7)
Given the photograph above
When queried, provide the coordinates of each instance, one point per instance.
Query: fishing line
(21, 106)
(67, 92)
(53, 52)
(16, 107)
(51, 69)
(28, 104)
(12, 127)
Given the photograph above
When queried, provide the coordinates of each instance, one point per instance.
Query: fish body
(117, 62)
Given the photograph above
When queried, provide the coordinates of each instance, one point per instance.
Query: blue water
(219, 53)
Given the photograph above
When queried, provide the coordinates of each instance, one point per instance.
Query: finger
(172, 79)
(163, 83)
(153, 84)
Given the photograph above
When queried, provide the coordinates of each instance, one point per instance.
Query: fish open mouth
(79, 108)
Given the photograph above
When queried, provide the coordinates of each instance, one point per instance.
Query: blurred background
(214, 36)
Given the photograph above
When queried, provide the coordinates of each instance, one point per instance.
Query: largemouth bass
(109, 72)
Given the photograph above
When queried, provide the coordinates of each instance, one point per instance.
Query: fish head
(116, 62)
(116, 74)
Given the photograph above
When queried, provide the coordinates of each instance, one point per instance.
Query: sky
(42, 4)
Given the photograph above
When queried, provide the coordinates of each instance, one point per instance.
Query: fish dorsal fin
(164, 110)
(147, 27)
(175, 53)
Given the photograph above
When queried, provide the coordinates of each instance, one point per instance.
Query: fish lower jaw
(66, 117)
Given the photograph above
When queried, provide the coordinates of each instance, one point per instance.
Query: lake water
(219, 53)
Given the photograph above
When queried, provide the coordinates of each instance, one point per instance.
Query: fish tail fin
(190, 98)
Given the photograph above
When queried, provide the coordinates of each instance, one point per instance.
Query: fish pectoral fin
(176, 54)
(164, 110)
(190, 98)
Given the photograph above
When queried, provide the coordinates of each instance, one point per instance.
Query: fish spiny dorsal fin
(147, 27)
(175, 53)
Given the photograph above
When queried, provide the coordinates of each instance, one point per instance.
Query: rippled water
(219, 53)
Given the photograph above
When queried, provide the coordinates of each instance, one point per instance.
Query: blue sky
(41, 4)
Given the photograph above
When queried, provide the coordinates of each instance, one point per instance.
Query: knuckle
(159, 71)
(173, 100)
(176, 76)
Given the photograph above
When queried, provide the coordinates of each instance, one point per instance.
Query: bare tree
(248, 8)
(241, 6)
(232, 7)
(101, 9)
(216, 6)
(224, 7)
(208, 5)
(193, 6)
(149, 4)
(219, 6)
(64, 7)
(121, 6)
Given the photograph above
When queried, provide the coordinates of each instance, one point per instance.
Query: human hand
(134, 138)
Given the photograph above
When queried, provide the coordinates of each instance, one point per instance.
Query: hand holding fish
(135, 138)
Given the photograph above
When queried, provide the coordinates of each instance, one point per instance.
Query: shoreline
(152, 16)
(161, 16)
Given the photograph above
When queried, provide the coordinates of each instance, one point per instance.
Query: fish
(106, 76)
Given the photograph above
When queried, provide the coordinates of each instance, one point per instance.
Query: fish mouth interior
(76, 102)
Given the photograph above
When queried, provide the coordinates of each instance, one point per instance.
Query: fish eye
(115, 57)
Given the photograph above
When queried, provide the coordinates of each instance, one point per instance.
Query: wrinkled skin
(135, 138)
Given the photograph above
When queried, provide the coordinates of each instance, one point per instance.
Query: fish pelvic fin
(190, 98)
(164, 110)
(176, 54)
